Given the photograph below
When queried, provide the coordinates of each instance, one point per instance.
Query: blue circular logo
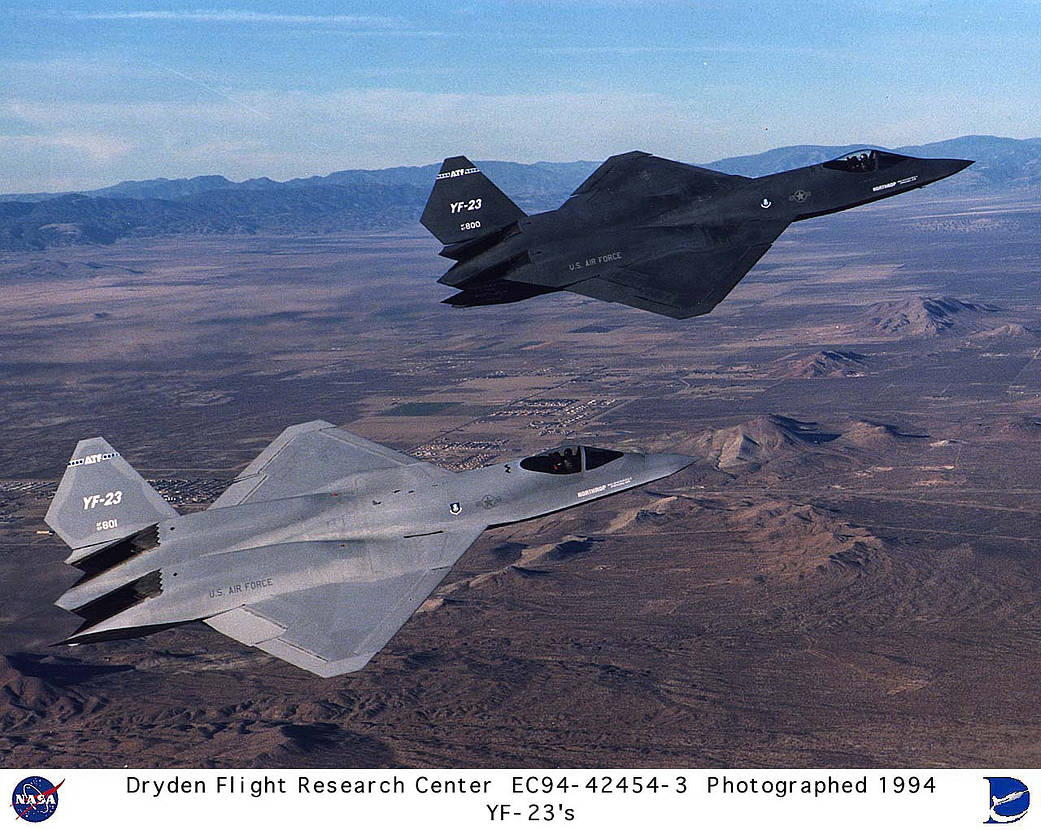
(35, 798)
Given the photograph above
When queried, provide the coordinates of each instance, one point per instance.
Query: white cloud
(286, 134)
(241, 16)
(59, 161)
(73, 144)
(98, 149)
(337, 24)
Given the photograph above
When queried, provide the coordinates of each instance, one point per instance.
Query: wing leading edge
(639, 172)
(308, 458)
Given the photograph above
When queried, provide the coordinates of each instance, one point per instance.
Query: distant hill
(924, 317)
(540, 186)
(76, 219)
(393, 198)
(824, 364)
(755, 442)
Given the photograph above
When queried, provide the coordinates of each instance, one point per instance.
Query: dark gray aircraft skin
(645, 231)
(318, 552)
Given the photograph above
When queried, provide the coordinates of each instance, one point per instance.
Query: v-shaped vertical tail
(102, 500)
(465, 204)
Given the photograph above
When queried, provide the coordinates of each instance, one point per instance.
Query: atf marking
(462, 171)
(93, 459)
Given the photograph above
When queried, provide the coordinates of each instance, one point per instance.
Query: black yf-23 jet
(656, 234)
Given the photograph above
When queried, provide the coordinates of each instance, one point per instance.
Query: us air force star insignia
(800, 196)
(765, 203)
(455, 508)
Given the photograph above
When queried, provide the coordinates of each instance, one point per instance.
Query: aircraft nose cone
(948, 167)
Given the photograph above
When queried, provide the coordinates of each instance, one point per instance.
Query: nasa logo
(35, 798)
(1009, 800)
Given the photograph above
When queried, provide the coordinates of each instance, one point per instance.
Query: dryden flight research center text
(520, 797)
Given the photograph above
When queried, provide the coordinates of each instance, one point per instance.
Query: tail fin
(102, 501)
(465, 204)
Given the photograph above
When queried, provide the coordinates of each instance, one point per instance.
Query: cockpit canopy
(864, 161)
(567, 460)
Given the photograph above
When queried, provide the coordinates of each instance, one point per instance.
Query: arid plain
(849, 576)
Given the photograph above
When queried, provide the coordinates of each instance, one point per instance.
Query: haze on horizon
(108, 92)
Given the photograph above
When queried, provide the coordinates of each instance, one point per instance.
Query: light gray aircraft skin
(318, 552)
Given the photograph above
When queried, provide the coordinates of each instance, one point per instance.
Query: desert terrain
(848, 576)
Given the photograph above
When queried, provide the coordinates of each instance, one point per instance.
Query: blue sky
(94, 91)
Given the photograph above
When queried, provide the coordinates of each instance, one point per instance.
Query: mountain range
(393, 198)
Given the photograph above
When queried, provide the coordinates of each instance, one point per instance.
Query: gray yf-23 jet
(318, 552)
(645, 231)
